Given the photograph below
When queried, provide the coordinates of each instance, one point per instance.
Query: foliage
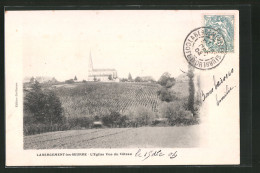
(123, 80)
(138, 79)
(170, 82)
(144, 79)
(114, 119)
(70, 81)
(79, 122)
(176, 114)
(32, 129)
(115, 104)
(140, 116)
(166, 94)
(110, 77)
(75, 78)
(144, 116)
(54, 80)
(32, 80)
(166, 80)
(130, 77)
(44, 105)
(191, 90)
(42, 111)
(148, 79)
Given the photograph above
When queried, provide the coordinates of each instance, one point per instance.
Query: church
(104, 75)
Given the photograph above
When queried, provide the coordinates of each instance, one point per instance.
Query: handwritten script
(217, 84)
(154, 153)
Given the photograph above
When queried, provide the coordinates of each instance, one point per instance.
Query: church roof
(105, 69)
(98, 75)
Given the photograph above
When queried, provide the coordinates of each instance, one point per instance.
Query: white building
(100, 74)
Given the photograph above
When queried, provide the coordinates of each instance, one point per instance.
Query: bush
(123, 80)
(32, 129)
(138, 79)
(70, 81)
(114, 119)
(42, 111)
(28, 119)
(145, 116)
(166, 80)
(130, 79)
(43, 105)
(141, 116)
(131, 118)
(166, 95)
(176, 114)
(71, 123)
(197, 105)
(79, 122)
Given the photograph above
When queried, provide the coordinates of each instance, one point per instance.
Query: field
(165, 137)
(96, 98)
(120, 104)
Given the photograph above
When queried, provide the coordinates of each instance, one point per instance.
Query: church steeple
(90, 64)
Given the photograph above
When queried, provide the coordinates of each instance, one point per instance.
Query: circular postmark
(204, 48)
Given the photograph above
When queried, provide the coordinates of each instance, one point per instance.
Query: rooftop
(105, 69)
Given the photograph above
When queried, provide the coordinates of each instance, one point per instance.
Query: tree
(110, 77)
(113, 119)
(191, 90)
(166, 80)
(123, 80)
(174, 112)
(166, 94)
(140, 116)
(32, 80)
(144, 116)
(70, 81)
(138, 79)
(130, 77)
(53, 80)
(44, 105)
(75, 78)
(197, 97)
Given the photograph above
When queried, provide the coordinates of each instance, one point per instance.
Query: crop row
(97, 98)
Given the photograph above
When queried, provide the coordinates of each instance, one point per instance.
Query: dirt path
(116, 138)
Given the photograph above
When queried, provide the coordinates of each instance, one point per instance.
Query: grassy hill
(131, 103)
(97, 98)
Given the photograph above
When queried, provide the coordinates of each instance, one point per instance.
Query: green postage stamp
(223, 24)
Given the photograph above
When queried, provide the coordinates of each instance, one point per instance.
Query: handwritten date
(154, 153)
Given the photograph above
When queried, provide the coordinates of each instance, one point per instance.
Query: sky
(58, 43)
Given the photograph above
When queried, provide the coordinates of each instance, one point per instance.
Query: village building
(40, 79)
(104, 75)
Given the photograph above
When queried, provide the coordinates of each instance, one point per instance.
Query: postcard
(122, 87)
